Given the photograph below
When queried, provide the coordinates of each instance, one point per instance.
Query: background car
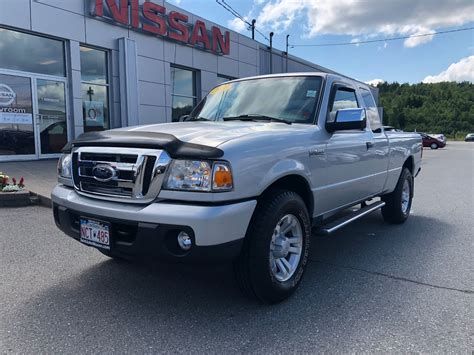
(432, 142)
(469, 137)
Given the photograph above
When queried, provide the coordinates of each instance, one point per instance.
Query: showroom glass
(223, 78)
(290, 98)
(95, 89)
(25, 52)
(16, 116)
(51, 118)
(183, 92)
(372, 111)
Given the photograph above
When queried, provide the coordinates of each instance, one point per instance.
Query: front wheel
(276, 248)
(434, 146)
(398, 203)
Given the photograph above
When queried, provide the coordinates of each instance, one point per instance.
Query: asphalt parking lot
(370, 287)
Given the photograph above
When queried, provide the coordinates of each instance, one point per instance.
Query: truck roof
(312, 73)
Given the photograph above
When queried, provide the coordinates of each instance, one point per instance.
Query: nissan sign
(7, 95)
(154, 20)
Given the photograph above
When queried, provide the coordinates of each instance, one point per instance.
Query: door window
(16, 116)
(343, 98)
(51, 118)
(371, 108)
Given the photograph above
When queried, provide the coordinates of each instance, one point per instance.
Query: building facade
(68, 67)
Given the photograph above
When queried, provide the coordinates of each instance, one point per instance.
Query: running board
(343, 221)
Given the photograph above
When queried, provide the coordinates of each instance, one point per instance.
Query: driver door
(347, 154)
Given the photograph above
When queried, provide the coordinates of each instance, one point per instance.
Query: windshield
(291, 99)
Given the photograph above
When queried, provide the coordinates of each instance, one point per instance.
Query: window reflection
(16, 116)
(183, 92)
(95, 89)
(93, 66)
(95, 107)
(29, 53)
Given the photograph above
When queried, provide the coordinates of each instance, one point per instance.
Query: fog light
(184, 241)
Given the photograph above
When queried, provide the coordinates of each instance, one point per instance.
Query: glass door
(51, 117)
(17, 129)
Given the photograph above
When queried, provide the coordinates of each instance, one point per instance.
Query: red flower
(22, 182)
(14, 181)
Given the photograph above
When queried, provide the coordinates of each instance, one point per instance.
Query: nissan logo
(7, 95)
(103, 172)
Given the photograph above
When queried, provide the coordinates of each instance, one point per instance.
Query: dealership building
(74, 66)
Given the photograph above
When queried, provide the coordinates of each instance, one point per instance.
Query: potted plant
(14, 186)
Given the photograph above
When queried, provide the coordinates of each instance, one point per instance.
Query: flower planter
(15, 199)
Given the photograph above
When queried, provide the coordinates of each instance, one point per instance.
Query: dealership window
(95, 89)
(223, 78)
(183, 91)
(29, 53)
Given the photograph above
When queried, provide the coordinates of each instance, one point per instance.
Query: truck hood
(211, 134)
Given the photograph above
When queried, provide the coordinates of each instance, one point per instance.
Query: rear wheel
(276, 248)
(398, 203)
(434, 146)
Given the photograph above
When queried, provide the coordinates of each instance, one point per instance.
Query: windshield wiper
(255, 117)
(198, 119)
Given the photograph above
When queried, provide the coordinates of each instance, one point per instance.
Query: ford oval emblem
(103, 172)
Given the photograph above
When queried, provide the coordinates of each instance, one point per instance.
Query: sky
(443, 57)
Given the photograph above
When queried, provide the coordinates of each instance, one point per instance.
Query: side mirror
(183, 118)
(348, 118)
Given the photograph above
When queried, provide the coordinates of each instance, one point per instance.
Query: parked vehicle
(469, 137)
(432, 142)
(438, 136)
(259, 163)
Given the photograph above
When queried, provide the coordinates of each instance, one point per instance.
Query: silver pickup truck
(260, 165)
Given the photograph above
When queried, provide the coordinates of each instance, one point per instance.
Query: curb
(42, 200)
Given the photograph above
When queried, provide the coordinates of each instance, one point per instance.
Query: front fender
(282, 169)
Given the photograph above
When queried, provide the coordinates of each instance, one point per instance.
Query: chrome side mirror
(348, 118)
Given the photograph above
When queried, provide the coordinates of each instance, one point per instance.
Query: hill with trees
(446, 107)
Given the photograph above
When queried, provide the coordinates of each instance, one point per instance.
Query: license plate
(95, 233)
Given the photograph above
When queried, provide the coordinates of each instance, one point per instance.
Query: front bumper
(217, 231)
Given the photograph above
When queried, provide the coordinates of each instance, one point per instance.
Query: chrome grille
(118, 174)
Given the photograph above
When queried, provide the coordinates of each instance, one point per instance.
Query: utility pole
(287, 36)
(271, 53)
(252, 26)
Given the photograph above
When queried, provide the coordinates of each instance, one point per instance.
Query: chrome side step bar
(344, 221)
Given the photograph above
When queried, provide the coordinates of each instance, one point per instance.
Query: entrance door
(50, 117)
(17, 129)
(33, 116)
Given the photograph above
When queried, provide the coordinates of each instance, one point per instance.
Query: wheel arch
(296, 183)
(410, 164)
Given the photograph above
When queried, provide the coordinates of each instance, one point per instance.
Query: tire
(398, 203)
(434, 146)
(258, 268)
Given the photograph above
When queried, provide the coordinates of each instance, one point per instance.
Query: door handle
(369, 145)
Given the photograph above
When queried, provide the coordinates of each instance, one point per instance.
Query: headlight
(65, 166)
(197, 175)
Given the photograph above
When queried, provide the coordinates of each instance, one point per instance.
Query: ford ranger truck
(258, 165)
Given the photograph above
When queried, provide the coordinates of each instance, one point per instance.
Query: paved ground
(40, 176)
(371, 287)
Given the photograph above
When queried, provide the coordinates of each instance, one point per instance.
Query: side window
(343, 98)
(372, 112)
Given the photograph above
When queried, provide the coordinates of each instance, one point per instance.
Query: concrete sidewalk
(40, 175)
